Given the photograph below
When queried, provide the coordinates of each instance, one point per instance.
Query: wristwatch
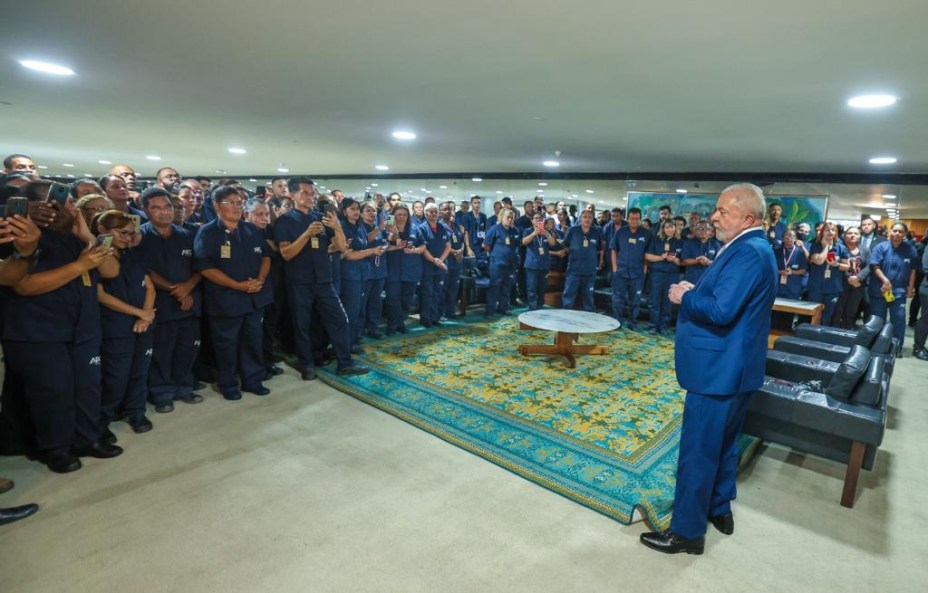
(19, 256)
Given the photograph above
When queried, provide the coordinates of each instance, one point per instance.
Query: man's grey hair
(749, 198)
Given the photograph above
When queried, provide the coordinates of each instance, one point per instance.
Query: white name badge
(481, 234)
(586, 242)
(541, 251)
(507, 240)
(633, 240)
(827, 273)
(782, 279)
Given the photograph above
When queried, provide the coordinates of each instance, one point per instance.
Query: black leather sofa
(833, 344)
(830, 409)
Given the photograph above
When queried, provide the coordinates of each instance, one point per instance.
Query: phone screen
(391, 220)
(105, 240)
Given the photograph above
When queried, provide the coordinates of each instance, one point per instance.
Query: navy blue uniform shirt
(312, 265)
(660, 246)
(538, 252)
(357, 270)
(245, 247)
(834, 283)
(435, 242)
(504, 243)
(693, 248)
(896, 265)
(68, 314)
(402, 266)
(129, 287)
(583, 257)
(630, 248)
(171, 258)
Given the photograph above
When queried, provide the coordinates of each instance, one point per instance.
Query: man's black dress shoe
(402, 329)
(357, 350)
(274, 370)
(353, 370)
(63, 463)
(921, 354)
(100, 450)
(437, 323)
(257, 389)
(309, 375)
(164, 408)
(199, 386)
(671, 543)
(193, 398)
(232, 396)
(139, 423)
(16, 513)
(108, 437)
(724, 523)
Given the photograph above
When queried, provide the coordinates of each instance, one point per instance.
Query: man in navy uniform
(721, 348)
(167, 249)
(629, 244)
(303, 236)
(234, 259)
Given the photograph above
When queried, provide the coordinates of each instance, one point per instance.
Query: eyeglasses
(125, 234)
(233, 203)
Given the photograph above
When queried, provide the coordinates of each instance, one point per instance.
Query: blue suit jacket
(722, 327)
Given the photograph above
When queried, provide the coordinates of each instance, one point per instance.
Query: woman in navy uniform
(502, 243)
(128, 312)
(845, 315)
(404, 268)
(355, 269)
(455, 260)
(582, 242)
(538, 243)
(52, 333)
(375, 224)
(437, 239)
(827, 260)
(234, 258)
(893, 265)
(664, 257)
(792, 266)
(167, 250)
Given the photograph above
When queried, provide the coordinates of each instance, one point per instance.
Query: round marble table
(567, 325)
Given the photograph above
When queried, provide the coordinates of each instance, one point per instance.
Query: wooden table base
(563, 345)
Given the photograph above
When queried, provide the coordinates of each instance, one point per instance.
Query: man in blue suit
(721, 349)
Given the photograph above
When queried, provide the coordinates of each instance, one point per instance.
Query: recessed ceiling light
(871, 101)
(283, 170)
(442, 187)
(542, 184)
(374, 185)
(541, 191)
(70, 176)
(601, 202)
(87, 175)
(47, 68)
(499, 192)
(883, 160)
(681, 191)
(42, 166)
(423, 189)
(67, 164)
(105, 162)
(477, 179)
(589, 191)
(382, 167)
(404, 135)
(253, 180)
(551, 164)
(889, 197)
(153, 157)
(236, 150)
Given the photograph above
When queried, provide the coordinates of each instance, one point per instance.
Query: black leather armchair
(833, 410)
(835, 345)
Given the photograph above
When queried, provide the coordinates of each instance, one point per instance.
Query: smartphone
(831, 256)
(58, 192)
(330, 207)
(106, 240)
(136, 222)
(391, 220)
(17, 206)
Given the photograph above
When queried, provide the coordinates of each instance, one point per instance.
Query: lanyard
(786, 260)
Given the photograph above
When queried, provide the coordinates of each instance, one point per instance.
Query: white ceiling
(669, 86)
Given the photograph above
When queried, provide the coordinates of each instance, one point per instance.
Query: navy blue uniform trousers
(578, 287)
(303, 299)
(626, 290)
(61, 382)
(500, 287)
(659, 308)
(399, 300)
(237, 341)
(452, 289)
(433, 295)
(708, 461)
(536, 284)
(175, 348)
(373, 308)
(353, 300)
(125, 375)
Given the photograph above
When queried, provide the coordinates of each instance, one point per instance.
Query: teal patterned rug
(604, 434)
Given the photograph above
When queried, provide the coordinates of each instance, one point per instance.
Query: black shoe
(426, 324)
(257, 389)
(164, 408)
(921, 354)
(402, 329)
(275, 358)
(14, 514)
(309, 375)
(357, 350)
(438, 323)
(724, 523)
(193, 398)
(199, 386)
(232, 396)
(375, 335)
(108, 437)
(63, 463)
(671, 543)
(353, 370)
(100, 450)
(139, 423)
(274, 370)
